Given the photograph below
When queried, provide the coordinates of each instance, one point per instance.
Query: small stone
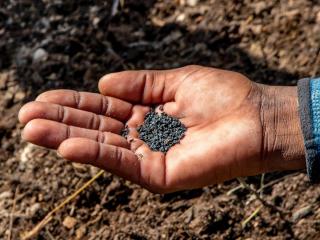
(69, 222)
(181, 17)
(26, 153)
(301, 213)
(81, 231)
(32, 210)
(256, 50)
(95, 21)
(6, 194)
(192, 3)
(39, 55)
(257, 29)
(18, 96)
(40, 197)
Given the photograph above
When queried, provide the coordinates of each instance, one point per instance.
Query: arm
(282, 136)
(235, 126)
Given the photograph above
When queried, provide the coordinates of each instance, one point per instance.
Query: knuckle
(118, 153)
(104, 105)
(107, 138)
(101, 137)
(95, 122)
(77, 98)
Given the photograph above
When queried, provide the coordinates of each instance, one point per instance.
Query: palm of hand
(223, 139)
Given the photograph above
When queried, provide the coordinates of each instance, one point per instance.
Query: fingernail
(130, 139)
(59, 155)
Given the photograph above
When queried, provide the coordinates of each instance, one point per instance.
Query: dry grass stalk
(35, 231)
(281, 211)
(248, 219)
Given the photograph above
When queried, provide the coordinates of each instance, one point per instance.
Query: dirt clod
(69, 222)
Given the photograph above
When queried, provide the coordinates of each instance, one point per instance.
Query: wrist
(282, 139)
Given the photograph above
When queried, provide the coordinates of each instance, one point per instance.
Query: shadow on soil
(81, 53)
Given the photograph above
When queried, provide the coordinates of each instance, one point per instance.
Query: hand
(235, 127)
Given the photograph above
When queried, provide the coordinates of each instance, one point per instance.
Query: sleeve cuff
(309, 109)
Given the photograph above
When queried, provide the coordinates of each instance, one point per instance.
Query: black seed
(161, 131)
(125, 132)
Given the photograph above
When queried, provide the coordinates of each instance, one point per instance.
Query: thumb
(144, 86)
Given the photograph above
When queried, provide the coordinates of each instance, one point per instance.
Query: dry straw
(35, 231)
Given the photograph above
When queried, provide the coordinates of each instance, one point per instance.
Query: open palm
(220, 109)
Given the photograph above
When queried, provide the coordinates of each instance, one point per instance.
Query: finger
(115, 159)
(69, 116)
(91, 102)
(145, 86)
(51, 134)
(146, 168)
(152, 166)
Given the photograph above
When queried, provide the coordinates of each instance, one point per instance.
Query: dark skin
(235, 126)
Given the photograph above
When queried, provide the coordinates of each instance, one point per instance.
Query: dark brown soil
(70, 44)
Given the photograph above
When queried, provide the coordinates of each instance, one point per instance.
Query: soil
(161, 131)
(46, 44)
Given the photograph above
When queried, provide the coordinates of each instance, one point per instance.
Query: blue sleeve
(309, 109)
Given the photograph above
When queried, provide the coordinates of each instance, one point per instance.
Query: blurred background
(49, 44)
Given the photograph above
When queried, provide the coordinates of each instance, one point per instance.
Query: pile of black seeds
(161, 131)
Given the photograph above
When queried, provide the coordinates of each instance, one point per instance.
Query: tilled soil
(70, 44)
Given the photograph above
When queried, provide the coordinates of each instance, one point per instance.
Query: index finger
(144, 86)
(87, 101)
